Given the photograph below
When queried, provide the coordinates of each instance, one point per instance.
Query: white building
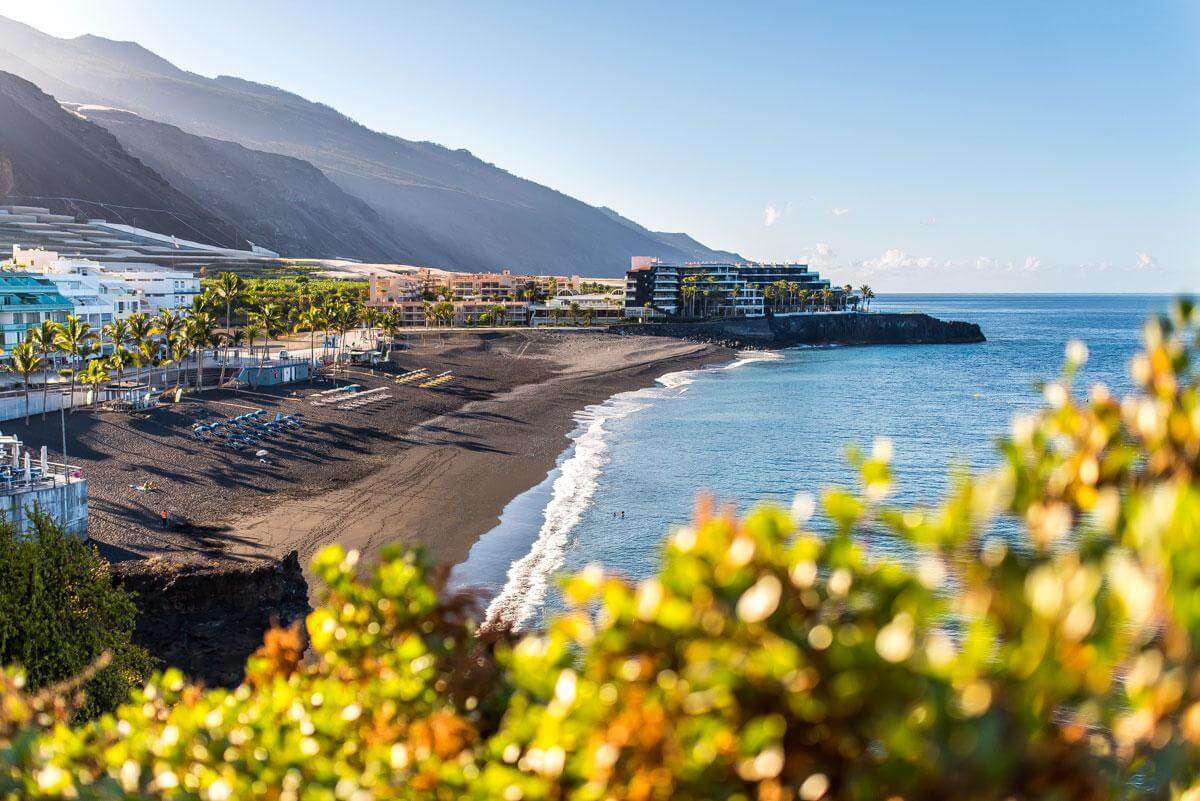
(157, 287)
(97, 298)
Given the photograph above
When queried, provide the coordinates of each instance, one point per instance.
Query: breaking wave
(529, 577)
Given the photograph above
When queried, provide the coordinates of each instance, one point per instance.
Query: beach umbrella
(261, 452)
(28, 471)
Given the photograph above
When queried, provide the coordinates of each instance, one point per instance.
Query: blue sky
(1017, 146)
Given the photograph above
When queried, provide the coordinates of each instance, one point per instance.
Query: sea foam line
(528, 578)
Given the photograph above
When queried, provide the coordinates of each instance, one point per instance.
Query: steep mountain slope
(450, 208)
(52, 158)
(279, 202)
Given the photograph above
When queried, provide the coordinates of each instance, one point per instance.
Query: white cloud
(929, 221)
(1032, 264)
(1146, 262)
(892, 260)
(837, 211)
(771, 215)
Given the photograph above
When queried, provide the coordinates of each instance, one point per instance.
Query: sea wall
(206, 618)
(841, 328)
(66, 502)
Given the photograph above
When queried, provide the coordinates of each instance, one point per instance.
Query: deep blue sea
(774, 424)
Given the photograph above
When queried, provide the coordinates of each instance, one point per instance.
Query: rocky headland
(843, 328)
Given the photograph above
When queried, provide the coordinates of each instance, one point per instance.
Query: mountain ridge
(283, 203)
(448, 207)
(70, 165)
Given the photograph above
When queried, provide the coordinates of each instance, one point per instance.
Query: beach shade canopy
(261, 452)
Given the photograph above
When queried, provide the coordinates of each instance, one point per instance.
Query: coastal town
(124, 349)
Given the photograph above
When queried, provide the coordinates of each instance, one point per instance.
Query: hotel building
(26, 300)
(471, 295)
(711, 289)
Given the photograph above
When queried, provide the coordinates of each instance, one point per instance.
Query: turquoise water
(772, 425)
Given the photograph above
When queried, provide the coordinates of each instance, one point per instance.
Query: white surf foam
(529, 577)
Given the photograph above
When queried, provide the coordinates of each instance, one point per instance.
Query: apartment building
(27, 300)
(704, 289)
(96, 297)
(158, 287)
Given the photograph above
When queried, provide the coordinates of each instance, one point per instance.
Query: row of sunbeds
(361, 399)
(246, 430)
(427, 381)
(332, 397)
(439, 380)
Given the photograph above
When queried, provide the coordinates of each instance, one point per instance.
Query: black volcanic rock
(818, 329)
(447, 207)
(279, 202)
(207, 618)
(57, 160)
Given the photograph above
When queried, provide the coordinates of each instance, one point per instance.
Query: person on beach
(164, 519)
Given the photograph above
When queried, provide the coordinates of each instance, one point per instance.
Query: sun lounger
(411, 375)
(437, 380)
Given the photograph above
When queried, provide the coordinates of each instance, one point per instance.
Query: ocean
(772, 424)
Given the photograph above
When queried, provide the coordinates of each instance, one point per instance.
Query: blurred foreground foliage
(764, 661)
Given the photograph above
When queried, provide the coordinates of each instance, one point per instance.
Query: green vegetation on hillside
(765, 660)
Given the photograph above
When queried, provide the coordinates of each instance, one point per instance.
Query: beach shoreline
(430, 467)
(451, 484)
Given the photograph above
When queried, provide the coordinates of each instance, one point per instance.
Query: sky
(922, 146)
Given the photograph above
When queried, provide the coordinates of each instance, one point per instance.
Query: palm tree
(116, 332)
(228, 288)
(270, 318)
(867, 294)
(783, 292)
(75, 339)
(141, 329)
(118, 361)
(44, 338)
(688, 290)
(168, 323)
(250, 332)
(147, 355)
(499, 314)
(391, 323)
(180, 349)
(370, 317)
(576, 311)
(95, 374)
(310, 319)
(199, 333)
(25, 362)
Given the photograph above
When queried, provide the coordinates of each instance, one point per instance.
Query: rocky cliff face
(49, 157)
(207, 618)
(850, 328)
(279, 202)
